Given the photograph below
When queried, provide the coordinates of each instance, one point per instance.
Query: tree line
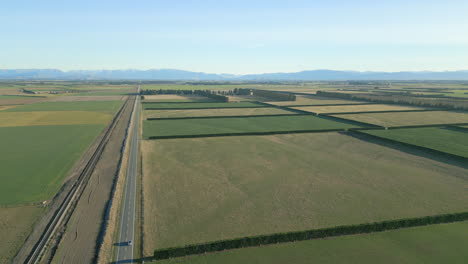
(306, 235)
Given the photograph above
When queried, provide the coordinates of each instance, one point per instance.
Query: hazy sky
(242, 36)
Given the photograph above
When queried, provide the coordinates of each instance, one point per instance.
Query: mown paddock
(193, 127)
(215, 112)
(218, 188)
(355, 108)
(314, 100)
(440, 139)
(444, 243)
(409, 118)
(214, 105)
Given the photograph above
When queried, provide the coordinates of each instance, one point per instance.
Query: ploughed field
(193, 127)
(435, 244)
(41, 142)
(207, 189)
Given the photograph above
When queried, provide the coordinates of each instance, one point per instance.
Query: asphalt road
(128, 212)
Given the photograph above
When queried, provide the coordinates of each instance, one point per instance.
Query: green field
(206, 189)
(36, 159)
(238, 125)
(445, 243)
(215, 112)
(409, 118)
(198, 105)
(98, 106)
(441, 139)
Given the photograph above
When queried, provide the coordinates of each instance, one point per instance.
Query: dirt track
(78, 244)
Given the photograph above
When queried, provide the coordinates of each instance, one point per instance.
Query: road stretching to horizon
(128, 212)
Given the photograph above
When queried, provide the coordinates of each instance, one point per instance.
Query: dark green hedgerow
(306, 235)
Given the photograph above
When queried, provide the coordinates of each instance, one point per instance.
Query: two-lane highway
(128, 210)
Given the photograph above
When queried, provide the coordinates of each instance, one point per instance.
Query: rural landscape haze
(209, 132)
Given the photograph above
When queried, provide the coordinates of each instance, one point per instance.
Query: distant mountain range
(173, 75)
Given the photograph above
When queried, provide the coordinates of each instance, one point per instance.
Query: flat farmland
(409, 118)
(198, 105)
(41, 118)
(15, 225)
(435, 244)
(176, 98)
(449, 141)
(315, 100)
(215, 112)
(355, 108)
(85, 98)
(205, 189)
(36, 159)
(97, 106)
(185, 127)
(19, 100)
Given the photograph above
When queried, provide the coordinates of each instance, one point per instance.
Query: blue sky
(235, 36)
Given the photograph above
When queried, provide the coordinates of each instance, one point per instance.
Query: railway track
(68, 203)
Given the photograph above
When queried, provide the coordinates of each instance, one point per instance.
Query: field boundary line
(249, 134)
(276, 238)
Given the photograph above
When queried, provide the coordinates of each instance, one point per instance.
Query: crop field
(41, 142)
(176, 98)
(198, 105)
(409, 118)
(19, 100)
(98, 106)
(30, 176)
(355, 108)
(238, 125)
(314, 100)
(85, 98)
(15, 225)
(208, 189)
(215, 112)
(420, 245)
(440, 139)
(41, 118)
